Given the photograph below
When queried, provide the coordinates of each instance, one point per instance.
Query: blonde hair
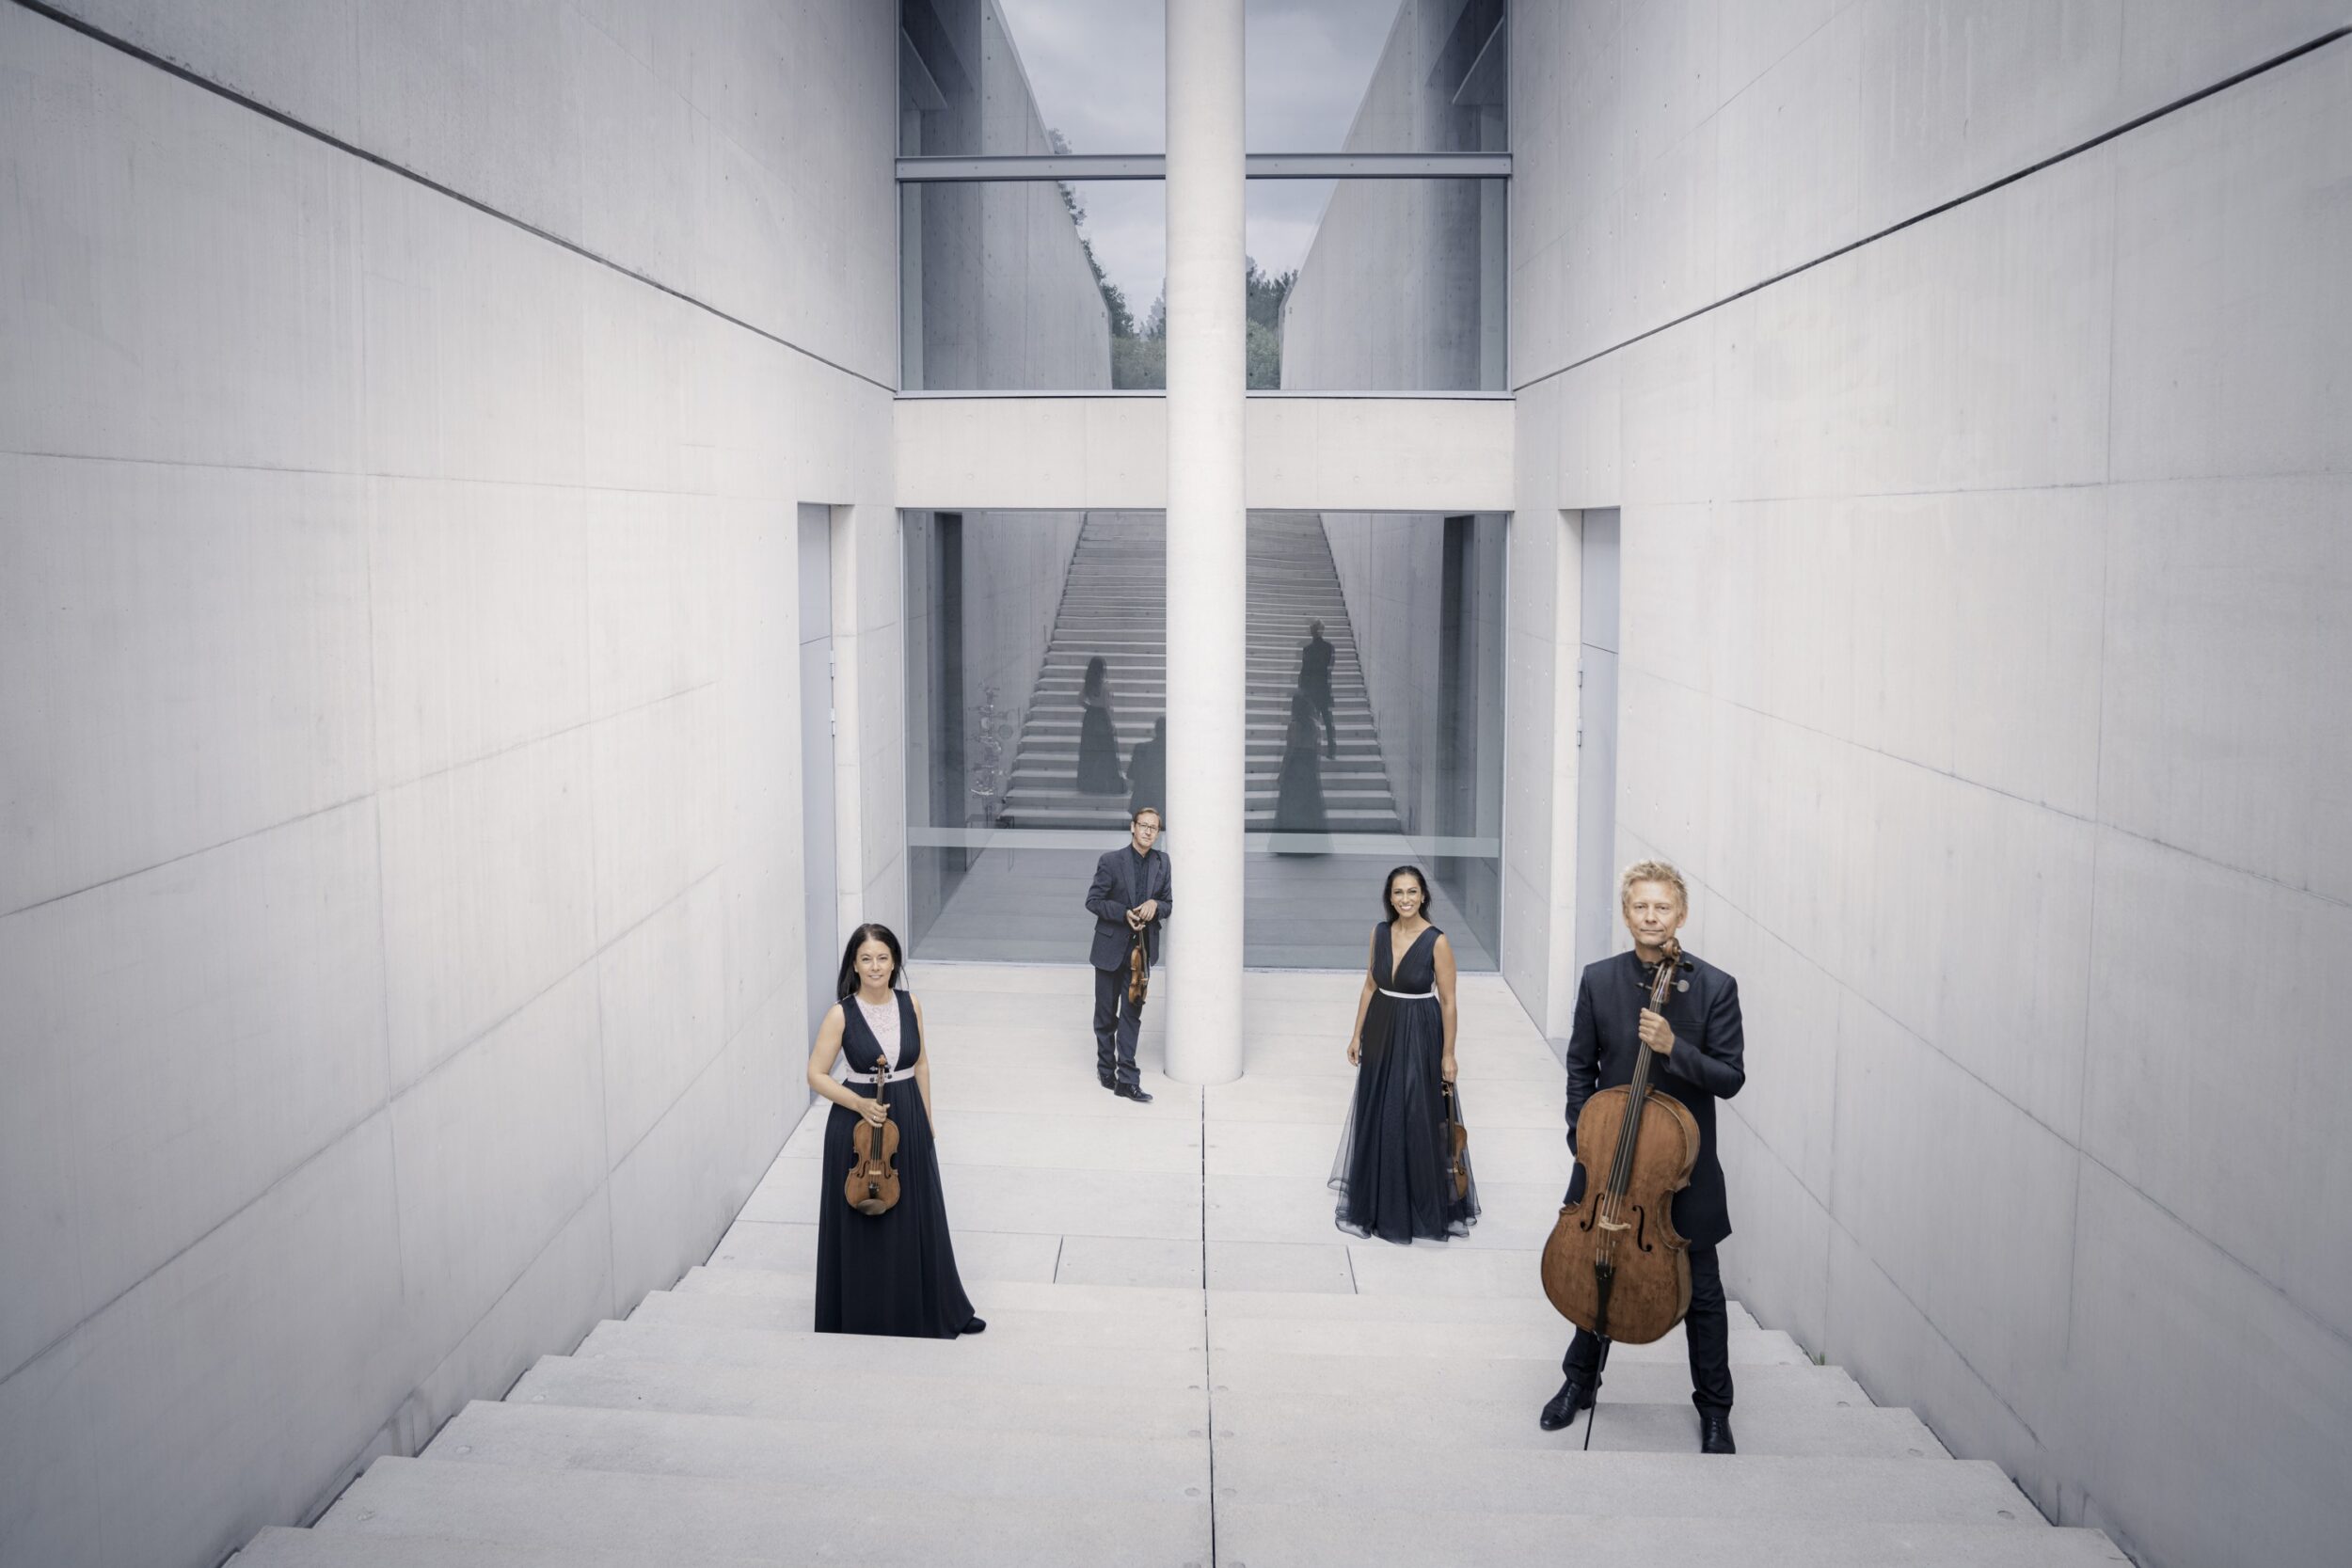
(1652, 871)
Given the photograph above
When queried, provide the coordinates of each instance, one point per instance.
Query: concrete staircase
(1185, 1365)
(1114, 605)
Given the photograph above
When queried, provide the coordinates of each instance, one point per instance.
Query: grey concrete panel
(299, 1292)
(980, 1255)
(133, 595)
(659, 1012)
(516, 1114)
(1042, 1330)
(1955, 1193)
(1278, 1266)
(656, 805)
(2234, 204)
(489, 890)
(2205, 1080)
(1099, 1367)
(251, 1040)
(1129, 1261)
(2225, 721)
(488, 578)
(247, 340)
(2143, 1286)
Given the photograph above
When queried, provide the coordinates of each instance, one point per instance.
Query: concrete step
(1002, 1295)
(1747, 1487)
(1440, 1340)
(1044, 1332)
(1094, 1366)
(891, 1399)
(1528, 1308)
(961, 1460)
(1526, 1381)
(1806, 1428)
(894, 1519)
(1326, 1537)
(280, 1547)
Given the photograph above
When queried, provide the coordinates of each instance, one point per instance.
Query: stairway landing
(1186, 1364)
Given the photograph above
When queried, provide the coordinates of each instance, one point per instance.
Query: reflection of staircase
(1114, 604)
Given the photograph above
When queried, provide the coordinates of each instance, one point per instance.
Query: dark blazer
(1120, 882)
(1706, 1065)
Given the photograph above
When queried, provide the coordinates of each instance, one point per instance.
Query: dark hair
(1097, 683)
(871, 931)
(1387, 910)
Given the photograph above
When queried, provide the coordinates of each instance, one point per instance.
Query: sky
(1097, 69)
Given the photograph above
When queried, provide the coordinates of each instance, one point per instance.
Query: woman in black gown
(892, 1272)
(1394, 1170)
(1098, 734)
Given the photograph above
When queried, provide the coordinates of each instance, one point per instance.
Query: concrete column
(1206, 544)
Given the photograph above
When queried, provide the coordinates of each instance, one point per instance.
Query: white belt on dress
(1408, 995)
(873, 1079)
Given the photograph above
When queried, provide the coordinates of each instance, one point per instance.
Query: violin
(1138, 968)
(1615, 1266)
(1456, 1145)
(873, 1184)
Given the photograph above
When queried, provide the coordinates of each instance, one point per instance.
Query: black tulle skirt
(893, 1273)
(1393, 1173)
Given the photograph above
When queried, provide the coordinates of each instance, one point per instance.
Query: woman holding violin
(884, 1262)
(1401, 1173)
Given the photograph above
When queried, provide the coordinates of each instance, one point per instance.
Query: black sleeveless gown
(893, 1273)
(1391, 1173)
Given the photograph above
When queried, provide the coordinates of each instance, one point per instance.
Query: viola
(1615, 1266)
(873, 1184)
(1456, 1145)
(1138, 968)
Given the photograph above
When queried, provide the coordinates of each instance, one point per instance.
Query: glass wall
(1037, 680)
(1368, 280)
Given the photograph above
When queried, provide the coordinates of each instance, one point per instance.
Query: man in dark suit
(1314, 682)
(1699, 1060)
(1132, 893)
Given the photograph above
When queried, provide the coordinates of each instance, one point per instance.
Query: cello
(873, 1187)
(1615, 1266)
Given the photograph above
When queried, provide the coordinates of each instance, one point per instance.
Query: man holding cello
(1696, 1044)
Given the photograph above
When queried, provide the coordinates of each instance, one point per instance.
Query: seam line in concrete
(2012, 178)
(278, 117)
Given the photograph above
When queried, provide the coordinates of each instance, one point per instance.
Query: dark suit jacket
(1315, 667)
(1706, 1065)
(1120, 882)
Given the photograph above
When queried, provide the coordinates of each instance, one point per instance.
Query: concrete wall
(1983, 617)
(399, 900)
(1402, 288)
(1006, 298)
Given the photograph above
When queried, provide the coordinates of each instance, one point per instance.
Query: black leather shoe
(1573, 1396)
(1106, 1080)
(1135, 1092)
(973, 1325)
(1715, 1431)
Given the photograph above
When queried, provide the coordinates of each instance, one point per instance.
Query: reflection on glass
(986, 77)
(1400, 285)
(1376, 729)
(1037, 667)
(1423, 76)
(1032, 286)
(1037, 680)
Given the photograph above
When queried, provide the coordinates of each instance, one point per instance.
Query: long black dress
(1097, 752)
(893, 1273)
(1392, 1171)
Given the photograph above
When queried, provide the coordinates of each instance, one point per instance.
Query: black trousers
(1117, 1022)
(1708, 1329)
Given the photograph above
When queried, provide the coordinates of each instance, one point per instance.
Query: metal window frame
(1257, 165)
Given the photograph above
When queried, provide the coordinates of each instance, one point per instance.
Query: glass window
(981, 79)
(1037, 683)
(1376, 76)
(1379, 285)
(1032, 286)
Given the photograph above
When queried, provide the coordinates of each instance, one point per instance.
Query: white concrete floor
(1186, 1363)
